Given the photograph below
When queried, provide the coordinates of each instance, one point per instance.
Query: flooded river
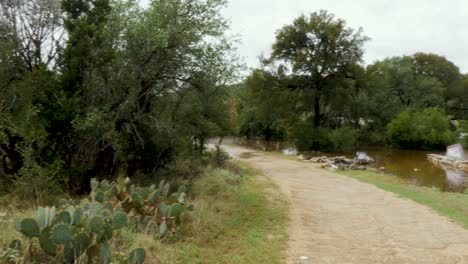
(411, 165)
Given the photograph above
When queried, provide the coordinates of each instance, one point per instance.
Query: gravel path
(336, 219)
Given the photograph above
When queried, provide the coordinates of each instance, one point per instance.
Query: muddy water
(411, 165)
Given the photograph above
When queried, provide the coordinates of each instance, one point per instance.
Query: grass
(239, 217)
(452, 205)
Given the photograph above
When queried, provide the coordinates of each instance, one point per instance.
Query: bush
(343, 139)
(426, 129)
(310, 138)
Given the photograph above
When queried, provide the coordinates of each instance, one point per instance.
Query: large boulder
(363, 159)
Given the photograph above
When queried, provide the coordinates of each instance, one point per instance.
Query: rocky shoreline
(360, 162)
(449, 163)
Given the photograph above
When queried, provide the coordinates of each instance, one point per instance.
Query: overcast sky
(396, 27)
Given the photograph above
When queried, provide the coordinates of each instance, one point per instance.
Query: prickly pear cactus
(29, 227)
(62, 234)
(137, 256)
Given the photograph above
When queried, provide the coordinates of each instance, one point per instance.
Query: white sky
(396, 27)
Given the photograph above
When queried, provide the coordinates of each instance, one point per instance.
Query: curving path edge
(337, 219)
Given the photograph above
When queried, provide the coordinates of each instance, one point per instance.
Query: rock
(381, 169)
(363, 159)
(341, 167)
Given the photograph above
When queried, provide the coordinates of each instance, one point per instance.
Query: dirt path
(336, 219)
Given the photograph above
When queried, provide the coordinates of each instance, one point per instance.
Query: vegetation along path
(337, 219)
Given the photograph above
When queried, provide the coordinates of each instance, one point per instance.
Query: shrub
(425, 129)
(310, 138)
(343, 139)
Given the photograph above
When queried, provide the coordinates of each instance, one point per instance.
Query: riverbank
(236, 219)
(451, 205)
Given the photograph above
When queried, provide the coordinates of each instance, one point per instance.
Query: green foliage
(343, 139)
(310, 138)
(126, 92)
(426, 129)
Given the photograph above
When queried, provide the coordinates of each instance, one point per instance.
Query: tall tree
(319, 49)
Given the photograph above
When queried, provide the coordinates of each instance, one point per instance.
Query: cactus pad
(176, 210)
(165, 190)
(64, 217)
(46, 243)
(119, 220)
(96, 225)
(94, 184)
(162, 229)
(164, 209)
(61, 234)
(29, 227)
(81, 243)
(106, 253)
(137, 256)
(77, 215)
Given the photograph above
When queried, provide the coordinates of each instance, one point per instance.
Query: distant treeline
(314, 89)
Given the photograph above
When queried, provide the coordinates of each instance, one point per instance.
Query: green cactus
(109, 194)
(164, 209)
(106, 253)
(45, 216)
(105, 185)
(176, 210)
(165, 190)
(62, 234)
(162, 229)
(108, 207)
(69, 254)
(94, 184)
(137, 256)
(29, 227)
(64, 217)
(99, 196)
(161, 185)
(96, 225)
(105, 235)
(119, 220)
(46, 243)
(81, 243)
(182, 197)
(151, 227)
(95, 209)
(77, 215)
(153, 196)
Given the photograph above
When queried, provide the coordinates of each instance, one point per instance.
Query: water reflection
(456, 180)
(411, 165)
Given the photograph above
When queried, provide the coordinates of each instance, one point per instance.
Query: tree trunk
(317, 111)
